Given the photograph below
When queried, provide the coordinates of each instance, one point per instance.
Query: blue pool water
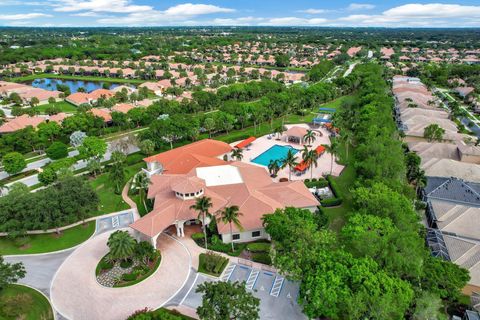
(276, 152)
(89, 86)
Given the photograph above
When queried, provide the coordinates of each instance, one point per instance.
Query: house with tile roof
(180, 176)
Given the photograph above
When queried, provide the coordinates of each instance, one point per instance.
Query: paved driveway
(76, 294)
(40, 268)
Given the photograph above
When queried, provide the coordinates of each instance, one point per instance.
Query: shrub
(212, 263)
(57, 150)
(321, 183)
(262, 258)
(198, 237)
(259, 247)
(306, 181)
(334, 186)
(314, 179)
(126, 263)
(331, 202)
(129, 276)
(105, 265)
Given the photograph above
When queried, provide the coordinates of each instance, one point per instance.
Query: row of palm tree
(228, 215)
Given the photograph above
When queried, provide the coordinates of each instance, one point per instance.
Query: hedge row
(338, 197)
(321, 183)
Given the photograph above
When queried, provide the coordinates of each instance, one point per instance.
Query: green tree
(237, 154)
(147, 146)
(57, 150)
(92, 147)
(433, 132)
(121, 245)
(226, 300)
(117, 170)
(310, 137)
(202, 206)
(34, 101)
(141, 182)
(10, 272)
(231, 216)
(47, 176)
(13, 163)
(273, 168)
(289, 161)
(144, 251)
(333, 150)
(310, 158)
(209, 125)
(428, 306)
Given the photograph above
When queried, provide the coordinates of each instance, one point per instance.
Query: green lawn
(109, 200)
(337, 215)
(334, 104)
(69, 77)
(62, 105)
(32, 305)
(49, 242)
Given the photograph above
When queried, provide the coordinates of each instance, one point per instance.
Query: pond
(74, 85)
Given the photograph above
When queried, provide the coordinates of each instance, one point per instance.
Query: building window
(255, 234)
(236, 236)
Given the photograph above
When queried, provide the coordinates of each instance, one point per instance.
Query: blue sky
(377, 13)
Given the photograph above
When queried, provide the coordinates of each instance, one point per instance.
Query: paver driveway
(76, 294)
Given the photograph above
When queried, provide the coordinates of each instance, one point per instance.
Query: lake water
(51, 84)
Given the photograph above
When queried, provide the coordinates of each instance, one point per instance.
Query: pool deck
(262, 144)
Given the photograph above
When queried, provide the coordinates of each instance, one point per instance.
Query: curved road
(75, 293)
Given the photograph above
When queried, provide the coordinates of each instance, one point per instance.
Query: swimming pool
(276, 152)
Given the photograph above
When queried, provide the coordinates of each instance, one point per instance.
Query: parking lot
(121, 220)
(278, 296)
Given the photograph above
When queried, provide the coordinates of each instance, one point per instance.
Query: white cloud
(117, 6)
(294, 21)
(190, 9)
(242, 21)
(176, 15)
(87, 14)
(23, 16)
(418, 15)
(313, 11)
(360, 6)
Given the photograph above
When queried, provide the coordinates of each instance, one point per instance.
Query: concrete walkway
(76, 294)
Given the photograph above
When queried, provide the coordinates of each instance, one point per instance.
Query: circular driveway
(75, 293)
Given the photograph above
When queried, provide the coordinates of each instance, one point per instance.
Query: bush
(331, 202)
(212, 263)
(259, 247)
(57, 150)
(314, 179)
(306, 181)
(262, 258)
(334, 186)
(198, 237)
(105, 265)
(129, 276)
(321, 183)
(126, 263)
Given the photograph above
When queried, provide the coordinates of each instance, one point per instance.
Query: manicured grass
(62, 105)
(334, 104)
(37, 306)
(42, 243)
(105, 189)
(337, 215)
(70, 77)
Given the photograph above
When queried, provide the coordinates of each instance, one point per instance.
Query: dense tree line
(70, 200)
(377, 266)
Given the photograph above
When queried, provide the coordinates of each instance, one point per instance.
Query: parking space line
(277, 286)
(115, 221)
(228, 272)
(252, 278)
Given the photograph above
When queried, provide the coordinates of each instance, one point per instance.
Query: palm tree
(230, 215)
(121, 245)
(144, 251)
(237, 153)
(202, 205)
(278, 131)
(347, 139)
(141, 182)
(273, 168)
(332, 149)
(290, 162)
(309, 137)
(310, 158)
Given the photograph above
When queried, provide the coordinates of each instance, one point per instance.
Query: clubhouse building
(180, 176)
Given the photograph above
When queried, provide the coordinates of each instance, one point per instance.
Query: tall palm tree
(202, 205)
(230, 215)
(309, 137)
(273, 168)
(237, 153)
(121, 245)
(347, 139)
(333, 150)
(310, 158)
(290, 162)
(278, 131)
(141, 182)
